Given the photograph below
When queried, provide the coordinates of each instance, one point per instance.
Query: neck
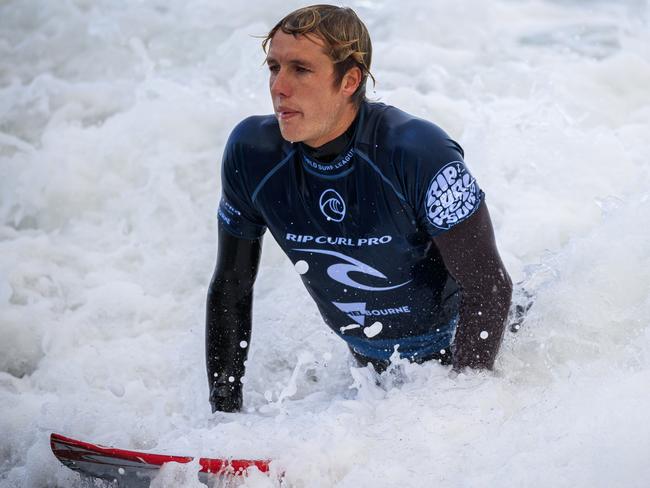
(332, 149)
(349, 114)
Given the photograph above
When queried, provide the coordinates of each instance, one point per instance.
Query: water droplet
(121, 470)
(484, 335)
(301, 266)
(243, 344)
(231, 379)
(443, 352)
(349, 327)
(373, 330)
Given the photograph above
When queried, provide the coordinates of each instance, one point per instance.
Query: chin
(291, 135)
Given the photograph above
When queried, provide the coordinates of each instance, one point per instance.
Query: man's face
(308, 106)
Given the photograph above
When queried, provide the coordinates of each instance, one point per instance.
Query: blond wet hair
(346, 38)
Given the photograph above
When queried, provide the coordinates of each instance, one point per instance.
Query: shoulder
(410, 135)
(417, 136)
(255, 145)
(258, 133)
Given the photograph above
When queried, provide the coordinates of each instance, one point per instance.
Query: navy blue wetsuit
(363, 223)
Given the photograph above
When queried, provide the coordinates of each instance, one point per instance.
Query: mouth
(283, 113)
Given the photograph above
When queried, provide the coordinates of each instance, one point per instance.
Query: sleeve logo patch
(452, 195)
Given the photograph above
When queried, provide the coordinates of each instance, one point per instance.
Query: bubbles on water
(373, 330)
(117, 389)
(484, 334)
(243, 344)
(301, 266)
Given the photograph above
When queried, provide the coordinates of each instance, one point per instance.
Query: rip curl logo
(340, 271)
(332, 205)
(452, 195)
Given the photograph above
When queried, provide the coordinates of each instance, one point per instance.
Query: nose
(279, 83)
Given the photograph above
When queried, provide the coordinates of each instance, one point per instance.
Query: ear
(351, 81)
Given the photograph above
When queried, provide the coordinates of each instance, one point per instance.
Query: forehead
(285, 47)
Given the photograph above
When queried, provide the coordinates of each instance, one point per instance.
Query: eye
(274, 68)
(302, 69)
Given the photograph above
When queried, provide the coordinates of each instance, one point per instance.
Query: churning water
(113, 117)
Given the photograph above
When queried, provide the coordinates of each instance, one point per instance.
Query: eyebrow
(296, 61)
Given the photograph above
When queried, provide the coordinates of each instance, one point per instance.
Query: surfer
(376, 208)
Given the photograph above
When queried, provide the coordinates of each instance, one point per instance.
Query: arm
(470, 254)
(228, 318)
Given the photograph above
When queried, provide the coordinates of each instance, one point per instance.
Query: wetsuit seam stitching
(378, 171)
(271, 173)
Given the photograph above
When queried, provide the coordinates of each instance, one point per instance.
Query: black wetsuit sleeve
(229, 317)
(470, 254)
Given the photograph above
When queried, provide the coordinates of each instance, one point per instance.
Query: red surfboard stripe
(74, 450)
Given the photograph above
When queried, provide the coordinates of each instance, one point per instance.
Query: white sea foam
(113, 116)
